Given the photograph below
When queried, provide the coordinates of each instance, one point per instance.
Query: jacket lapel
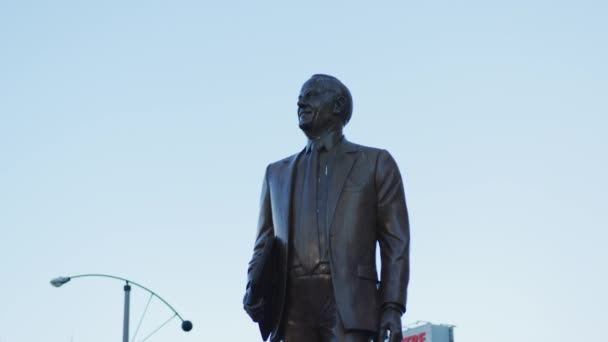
(345, 159)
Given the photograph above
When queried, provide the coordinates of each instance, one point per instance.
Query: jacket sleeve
(393, 231)
(265, 231)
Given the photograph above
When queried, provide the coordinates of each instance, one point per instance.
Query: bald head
(340, 93)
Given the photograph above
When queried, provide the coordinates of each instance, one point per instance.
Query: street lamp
(186, 325)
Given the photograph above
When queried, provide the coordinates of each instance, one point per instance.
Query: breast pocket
(354, 188)
(354, 185)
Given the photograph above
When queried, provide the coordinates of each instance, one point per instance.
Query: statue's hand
(255, 310)
(390, 321)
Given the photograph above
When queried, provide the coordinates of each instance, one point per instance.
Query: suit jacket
(365, 207)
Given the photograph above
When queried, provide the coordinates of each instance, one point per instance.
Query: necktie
(307, 246)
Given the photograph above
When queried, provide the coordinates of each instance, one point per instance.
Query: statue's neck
(335, 127)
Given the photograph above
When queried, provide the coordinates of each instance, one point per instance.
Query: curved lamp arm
(57, 282)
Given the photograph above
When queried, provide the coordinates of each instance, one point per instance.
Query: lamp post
(186, 325)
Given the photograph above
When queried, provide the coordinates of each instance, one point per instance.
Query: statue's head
(324, 104)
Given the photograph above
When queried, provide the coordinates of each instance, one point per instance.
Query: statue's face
(315, 108)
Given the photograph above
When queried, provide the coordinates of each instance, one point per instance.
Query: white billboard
(428, 332)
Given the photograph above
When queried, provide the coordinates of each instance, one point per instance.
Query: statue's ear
(339, 105)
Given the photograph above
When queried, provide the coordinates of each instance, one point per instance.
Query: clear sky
(134, 136)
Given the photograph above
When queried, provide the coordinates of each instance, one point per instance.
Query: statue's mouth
(305, 115)
(304, 112)
(306, 118)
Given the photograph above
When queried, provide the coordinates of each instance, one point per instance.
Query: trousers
(311, 314)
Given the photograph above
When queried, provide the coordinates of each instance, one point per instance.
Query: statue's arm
(393, 232)
(253, 302)
(265, 230)
(394, 239)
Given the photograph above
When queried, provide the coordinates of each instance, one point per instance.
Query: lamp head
(186, 326)
(57, 282)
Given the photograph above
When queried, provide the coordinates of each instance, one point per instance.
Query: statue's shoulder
(372, 155)
(351, 146)
(282, 164)
(285, 160)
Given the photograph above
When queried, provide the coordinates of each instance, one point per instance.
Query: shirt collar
(328, 141)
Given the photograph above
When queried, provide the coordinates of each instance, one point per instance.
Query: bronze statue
(312, 277)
